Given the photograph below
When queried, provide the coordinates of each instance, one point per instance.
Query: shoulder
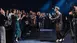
(59, 13)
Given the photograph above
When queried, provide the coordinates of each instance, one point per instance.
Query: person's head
(11, 11)
(31, 11)
(23, 11)
(19, 12)
(57, 8)
(7, 11)
(43, 14)
(2, 11)
(75, 8)
(38, 13)
(14, 11)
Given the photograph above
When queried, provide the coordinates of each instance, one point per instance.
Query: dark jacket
(2, 20)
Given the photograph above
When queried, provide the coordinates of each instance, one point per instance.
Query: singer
(58, 20)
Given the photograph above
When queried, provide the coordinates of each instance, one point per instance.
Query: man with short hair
(58, 21)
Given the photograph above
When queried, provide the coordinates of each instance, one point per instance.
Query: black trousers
(9, 34)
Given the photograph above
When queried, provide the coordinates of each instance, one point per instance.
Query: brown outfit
(58, 20)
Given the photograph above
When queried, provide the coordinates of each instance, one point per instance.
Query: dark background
(22, 4)
(36, 5)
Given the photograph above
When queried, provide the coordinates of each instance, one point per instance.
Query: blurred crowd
(18, 23)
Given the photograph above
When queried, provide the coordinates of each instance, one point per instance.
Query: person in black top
(73, 22)
(2, 28)
(37, 19)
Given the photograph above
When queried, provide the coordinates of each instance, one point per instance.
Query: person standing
(58, 21)
(73, 22)
(37, 19)
(2, 28)
(41, 22)
(17, 25)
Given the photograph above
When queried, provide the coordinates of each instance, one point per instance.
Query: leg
(3, 35)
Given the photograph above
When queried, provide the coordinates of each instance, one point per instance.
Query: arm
(22, 17)
(35, 20)
(59, 14)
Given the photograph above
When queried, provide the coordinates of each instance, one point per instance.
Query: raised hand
(2, 11)
(70, 13)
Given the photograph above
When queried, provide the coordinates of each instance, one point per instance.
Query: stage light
(65, 5)
(46, 6)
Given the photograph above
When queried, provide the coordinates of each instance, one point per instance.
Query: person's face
(14, 11)
(7, 11)
(43, 14)
(55, 9)
(38, 13)
(2, 11)
(30, 11)
(23, 11)
(17, 11)
(75, 7)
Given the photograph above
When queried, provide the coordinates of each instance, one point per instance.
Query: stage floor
(34, 41)
(44, 36)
